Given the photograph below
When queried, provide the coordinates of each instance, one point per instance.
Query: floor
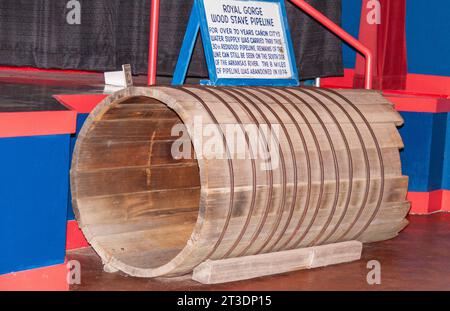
(418, 259)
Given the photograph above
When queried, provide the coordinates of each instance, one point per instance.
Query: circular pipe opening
(137, 203)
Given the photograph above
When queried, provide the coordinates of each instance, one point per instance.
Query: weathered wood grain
(248, 267)
(335, 176)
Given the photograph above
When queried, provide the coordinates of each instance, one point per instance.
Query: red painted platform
(81, 103)
(424, 203)
(75, 237)
(17, 124)
(414, 103)
(416, 84)
(53, 278)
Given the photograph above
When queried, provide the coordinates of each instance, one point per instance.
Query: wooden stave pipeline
(227, 190)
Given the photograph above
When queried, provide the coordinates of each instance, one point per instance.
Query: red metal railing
(308, 9)
(153, 42)
(341, 33)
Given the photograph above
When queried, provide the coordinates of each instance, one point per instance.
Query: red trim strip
(411, 93)
(423, 203)
(75, 238)
(420, 104)
(346, 81)
(38, 123)
(445, 201)
(51, 81)
(416, 84)
(53, 278)
(34, 69)
(81, 103)
(428, 84)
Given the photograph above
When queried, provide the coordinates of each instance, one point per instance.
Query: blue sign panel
(246, 42)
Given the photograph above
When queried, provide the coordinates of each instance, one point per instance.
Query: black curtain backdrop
(114, 32)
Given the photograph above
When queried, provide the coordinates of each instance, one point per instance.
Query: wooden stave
(189, 257)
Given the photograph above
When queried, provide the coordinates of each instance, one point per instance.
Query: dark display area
(114, 32)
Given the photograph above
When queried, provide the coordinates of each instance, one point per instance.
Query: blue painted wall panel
(427, 32)
(351, 12)
(446, 160)
(416, 134)
(33, 196)
(437, 151)
(424, 136)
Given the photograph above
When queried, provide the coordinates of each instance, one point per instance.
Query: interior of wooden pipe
(139, 201)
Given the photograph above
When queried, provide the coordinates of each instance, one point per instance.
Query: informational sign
(246, 42)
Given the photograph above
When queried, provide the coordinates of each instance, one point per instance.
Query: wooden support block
(248, 267)
(336, 253)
